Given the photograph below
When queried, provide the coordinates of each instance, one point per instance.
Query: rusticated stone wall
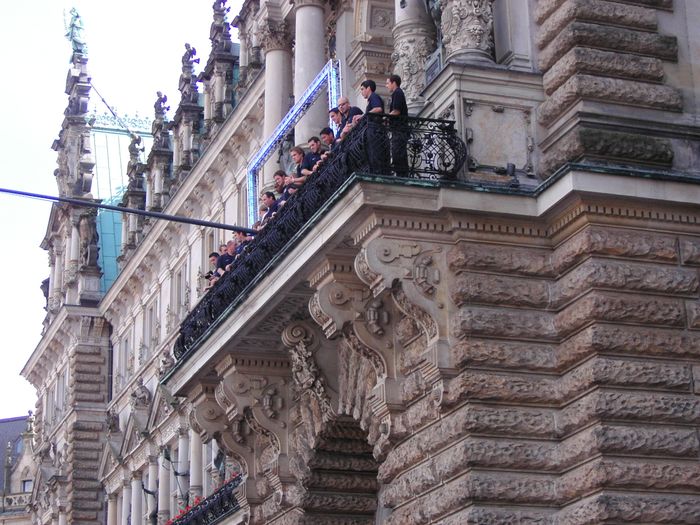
(611, 52)
(85, 428)
(466, 368)
(520, 372)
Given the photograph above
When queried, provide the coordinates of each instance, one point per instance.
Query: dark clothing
(398, 101)
(241, 247)
(374, 101)
(270, 210)
(224, 260)
(399, 136)
(310, 160)
(352, 113)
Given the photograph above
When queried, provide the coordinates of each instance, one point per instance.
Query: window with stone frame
(151, 327)
(180, 292)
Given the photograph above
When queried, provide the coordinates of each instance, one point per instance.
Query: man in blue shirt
(375, 104)
(312, 157)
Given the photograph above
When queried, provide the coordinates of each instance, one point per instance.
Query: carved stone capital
(275, 35)
(467, 29)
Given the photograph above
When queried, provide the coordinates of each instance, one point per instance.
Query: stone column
(152, 484)
(58, 275)
(467, 30)
(277, 42)
(125, 232)
(183, 462)
(126, 503)
(344, 34)
(309, 58)
(119, 505)
(195, 465)
(112, 509)
(414, 41)
(62, 518)
(136, 499)
(163, 490)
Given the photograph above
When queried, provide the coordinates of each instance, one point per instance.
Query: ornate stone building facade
(514, 341)
(18, 469)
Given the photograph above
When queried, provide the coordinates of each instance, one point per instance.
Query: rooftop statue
(159, 106)
(74, 32)
(220, 9)
(188, 57)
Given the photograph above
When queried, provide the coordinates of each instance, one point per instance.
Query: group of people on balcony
(345, 117)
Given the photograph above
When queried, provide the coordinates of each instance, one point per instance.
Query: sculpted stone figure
(188, 58)
(88, 240)
(135, 149)
(159, 106)
(74, 32)
(141, 396)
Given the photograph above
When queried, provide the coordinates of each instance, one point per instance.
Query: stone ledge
(601, 339)
(545, 8)
(596, 11)
(503, 454)
(608, 38)
(606, 145)
(604, 63)
(611, 90)
(489, 289)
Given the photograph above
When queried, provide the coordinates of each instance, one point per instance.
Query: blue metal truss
(329, 76)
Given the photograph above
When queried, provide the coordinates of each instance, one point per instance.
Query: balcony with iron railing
(434, 152)
(212, 509)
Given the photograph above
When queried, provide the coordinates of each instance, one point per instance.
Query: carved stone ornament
(275, 35)
(409, 56)
(305, 371)
(467, 28)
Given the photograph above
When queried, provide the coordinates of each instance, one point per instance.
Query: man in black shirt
(399, 136)
(377, 145)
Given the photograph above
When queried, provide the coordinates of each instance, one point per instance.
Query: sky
(134, 50)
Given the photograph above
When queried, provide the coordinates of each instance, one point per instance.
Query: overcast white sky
(134, 47)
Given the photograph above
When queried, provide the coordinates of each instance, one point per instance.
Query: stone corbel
(367, 376)
(255, 396)
(413, 273)
(207, 417)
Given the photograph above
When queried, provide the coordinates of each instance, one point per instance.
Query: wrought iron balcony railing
(211, 509)
(404, 147)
